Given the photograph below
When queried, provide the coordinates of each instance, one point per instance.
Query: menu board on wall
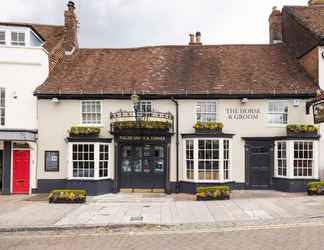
(51, 161)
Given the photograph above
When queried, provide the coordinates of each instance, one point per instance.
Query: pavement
(123, 209)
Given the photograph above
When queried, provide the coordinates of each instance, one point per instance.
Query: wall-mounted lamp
(296, 103)
(14, 95)
(55, 100)
(244, 101)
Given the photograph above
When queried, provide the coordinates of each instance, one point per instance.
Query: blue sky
(134, 23)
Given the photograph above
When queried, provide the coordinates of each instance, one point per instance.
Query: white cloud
(131, 23)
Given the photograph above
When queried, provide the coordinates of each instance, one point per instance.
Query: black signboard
(318, 111)
(51, 161)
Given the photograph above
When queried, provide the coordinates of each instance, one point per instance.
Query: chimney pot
(71, 5)
(192, 39)
(198, 38)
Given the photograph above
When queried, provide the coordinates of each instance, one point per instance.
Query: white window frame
(196, 160)
(5, 40)
(269, 113)
(18, 42)
(206, 102)
(91, 124)
(290, 160)
(142, 104)
(277, 159)
(96, 161)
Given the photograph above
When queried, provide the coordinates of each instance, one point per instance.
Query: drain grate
(136, 218)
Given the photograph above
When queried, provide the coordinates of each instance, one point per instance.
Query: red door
(21, 171)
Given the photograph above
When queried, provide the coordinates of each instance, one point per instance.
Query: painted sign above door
(242, 113)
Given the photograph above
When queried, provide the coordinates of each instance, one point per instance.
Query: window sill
(209, 181)
(88, 179)
(92, 125)
(277, 125)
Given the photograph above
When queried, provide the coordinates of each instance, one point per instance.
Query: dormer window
(2, 38)
(18, 38)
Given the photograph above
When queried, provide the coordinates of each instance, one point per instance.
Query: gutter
(177, 142)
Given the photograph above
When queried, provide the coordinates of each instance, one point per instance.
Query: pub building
(171, 118)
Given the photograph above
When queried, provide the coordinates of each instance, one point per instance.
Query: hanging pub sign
(318, 111)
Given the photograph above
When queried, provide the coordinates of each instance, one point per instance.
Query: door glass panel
(159, 166)
(158, 151)
(126, 152)
(138, 165)
(146, 166)
(138, 152)
(126, 166)
(147, 150)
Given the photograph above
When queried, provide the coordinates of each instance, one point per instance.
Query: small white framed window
(145, 108)
(208, 159)
(226, 159)
(91, 112)
(206, 111)
(281, 158)
(18, 38)
(2, 37)
(2, 106)
(278, 112)
(189, 159)
(303, 158)
(90, 160)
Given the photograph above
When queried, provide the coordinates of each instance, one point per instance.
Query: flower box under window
(84, 131)
(302, 130)
(209, 127)
(152, 125)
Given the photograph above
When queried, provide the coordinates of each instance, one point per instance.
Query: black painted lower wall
(93, 187)
(6, 168)
(291, 185)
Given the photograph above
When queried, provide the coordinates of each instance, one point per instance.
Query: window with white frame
(303, 158)
(90, 160)
(2, 37)
(207, 159)
(18, 38)
(145, 108)
(281, 158)
(278, 112)
(190, 159)
(226, 153)
(2, 106)
(206, 111)
(91, 112)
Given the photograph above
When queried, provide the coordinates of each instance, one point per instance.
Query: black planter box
(208, 131)
(84, 135)
(302, 134)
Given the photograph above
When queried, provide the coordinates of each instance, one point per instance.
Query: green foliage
(302, 128)
(213, 193)
(67, 196)
(209, 125)
(314, 187)
(120, 125)
(78, 130)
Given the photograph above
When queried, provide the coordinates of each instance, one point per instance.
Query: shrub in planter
(209, 127)
(315, 188)
(302, 129)
(67, 196)
(84, 131)
(213, 193)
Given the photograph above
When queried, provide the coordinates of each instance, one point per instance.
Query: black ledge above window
(87, 139)
(207, 135)
(314, 137)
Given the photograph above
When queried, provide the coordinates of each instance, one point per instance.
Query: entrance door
(21, 171)
(259, 157)
(142, 166)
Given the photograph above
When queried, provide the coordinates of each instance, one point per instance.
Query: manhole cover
(136, 218)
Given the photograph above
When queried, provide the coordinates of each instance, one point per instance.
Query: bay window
(296, 159)
(207, 159)
(89, 160)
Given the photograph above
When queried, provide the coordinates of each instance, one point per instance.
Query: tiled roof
(219, 69)
(52, 34)
(311, 17)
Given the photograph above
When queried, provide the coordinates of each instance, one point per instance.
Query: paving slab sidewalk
(130, 209)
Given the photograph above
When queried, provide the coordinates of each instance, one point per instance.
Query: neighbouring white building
(28, 52)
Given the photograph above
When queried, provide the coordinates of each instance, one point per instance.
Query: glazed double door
(142, 166)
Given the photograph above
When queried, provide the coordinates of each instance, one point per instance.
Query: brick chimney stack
(70, 29)
(275, 29)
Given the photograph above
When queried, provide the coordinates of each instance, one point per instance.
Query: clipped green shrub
(213, 193)
(209, 125)
(315, 188)
(302, 128)
(67, 196)
(83, 131)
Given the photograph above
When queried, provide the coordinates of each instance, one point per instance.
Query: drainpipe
(177, 141)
